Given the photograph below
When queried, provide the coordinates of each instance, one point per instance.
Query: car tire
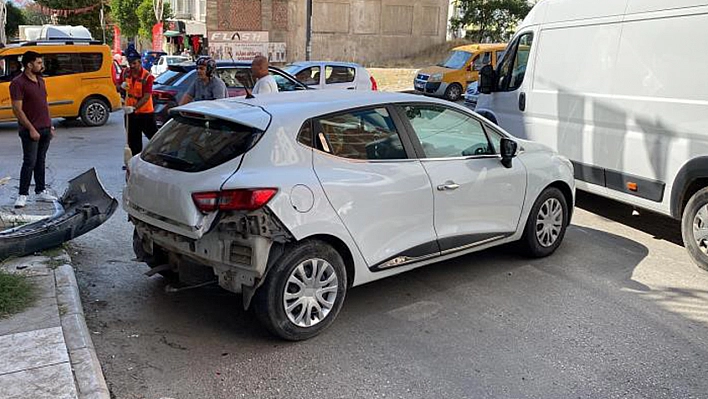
(158, 257)
(291, 316)
(453, 92)
(546, 224)
(95, 112)
(693, 222)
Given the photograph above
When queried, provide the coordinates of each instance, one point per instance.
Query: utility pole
(308, 38)
(103, 23)
(3, 22)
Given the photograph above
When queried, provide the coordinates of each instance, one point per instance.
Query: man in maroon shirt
(29, 104)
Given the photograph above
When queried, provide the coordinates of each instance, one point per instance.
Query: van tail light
(233, 200)
(164, 95)
(374, 86)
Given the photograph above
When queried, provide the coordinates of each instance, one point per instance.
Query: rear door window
(169, 77)
(61, 64)
(367, 134)
(195, 144)
(90, 62)
(237, 78)
(339, 74)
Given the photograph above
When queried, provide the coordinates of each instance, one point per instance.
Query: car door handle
(449, 186)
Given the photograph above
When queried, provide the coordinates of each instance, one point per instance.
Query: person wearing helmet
(207, 86)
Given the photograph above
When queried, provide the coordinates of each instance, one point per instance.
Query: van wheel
(694, 228)
(95, 112)
(453, 92)
(546, 225)
(304, 291)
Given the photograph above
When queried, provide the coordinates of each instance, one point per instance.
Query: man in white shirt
(265, 82)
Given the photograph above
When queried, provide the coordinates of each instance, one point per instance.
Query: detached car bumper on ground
(294, 198)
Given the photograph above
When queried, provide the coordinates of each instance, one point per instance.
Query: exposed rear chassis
(239, 247)
(84, 206)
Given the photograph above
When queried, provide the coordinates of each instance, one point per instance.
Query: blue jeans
(34, 154)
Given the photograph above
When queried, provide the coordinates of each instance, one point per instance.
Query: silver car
(294, 198)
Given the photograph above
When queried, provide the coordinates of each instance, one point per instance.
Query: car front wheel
(304, 291)
(546, 225)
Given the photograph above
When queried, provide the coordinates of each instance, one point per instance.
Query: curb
(88, 374)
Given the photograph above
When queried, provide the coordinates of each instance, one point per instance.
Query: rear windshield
(168, 78)
(195, 145)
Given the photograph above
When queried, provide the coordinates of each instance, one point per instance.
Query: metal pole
(103, 23)
(308, 39)
(3, 21)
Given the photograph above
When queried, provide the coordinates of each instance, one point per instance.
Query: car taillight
(164, 95)
(374, 86)
(233, 200)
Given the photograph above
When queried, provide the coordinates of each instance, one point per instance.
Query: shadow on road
(660, 226)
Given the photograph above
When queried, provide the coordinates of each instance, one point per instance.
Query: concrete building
(362, 31)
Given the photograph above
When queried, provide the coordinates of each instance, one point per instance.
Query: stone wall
(346, 30)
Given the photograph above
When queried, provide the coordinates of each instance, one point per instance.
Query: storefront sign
(238, 36)
(237, 51)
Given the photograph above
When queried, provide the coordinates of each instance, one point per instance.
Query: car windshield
(175, 60)
(456, 60)
(292, 68)
(169, 78)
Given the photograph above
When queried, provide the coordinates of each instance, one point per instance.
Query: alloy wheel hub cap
(310, 292)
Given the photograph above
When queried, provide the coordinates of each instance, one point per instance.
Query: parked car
(293, 198)
(450, 78)
(636, 131)
(78, 74)
(166, 60)
(471, 95)
(170, 86)
(332, 75)
(150, 57)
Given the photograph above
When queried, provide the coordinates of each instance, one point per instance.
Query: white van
(621, 88)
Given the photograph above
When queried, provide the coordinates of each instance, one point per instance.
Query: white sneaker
(44, 196)
(21, 201)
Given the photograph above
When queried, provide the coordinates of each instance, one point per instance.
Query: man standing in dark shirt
(29, 104)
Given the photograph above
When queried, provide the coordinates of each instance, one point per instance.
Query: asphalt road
(618, 312)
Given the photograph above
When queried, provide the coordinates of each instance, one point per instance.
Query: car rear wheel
(453, 92)
(95, 112)
(304, 291)
(546, 225)
(694, 228)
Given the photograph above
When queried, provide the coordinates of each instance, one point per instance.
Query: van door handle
(522, 101)
(448, 186)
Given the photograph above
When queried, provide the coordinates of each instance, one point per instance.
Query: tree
(15, 18)
(490, 20)
(136, 17)
(91, 20)
(146, 16)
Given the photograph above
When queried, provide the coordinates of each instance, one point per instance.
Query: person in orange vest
(138, 103)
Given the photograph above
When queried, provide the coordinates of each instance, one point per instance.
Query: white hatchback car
(294, 198)
(325, 75)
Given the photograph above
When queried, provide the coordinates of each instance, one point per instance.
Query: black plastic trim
(652, 190)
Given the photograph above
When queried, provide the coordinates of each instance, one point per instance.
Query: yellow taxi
(450, 78)
(78, 75)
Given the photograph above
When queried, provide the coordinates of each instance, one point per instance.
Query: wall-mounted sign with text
(238, 36)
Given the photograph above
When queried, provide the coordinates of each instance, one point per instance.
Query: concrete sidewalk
(46, 351)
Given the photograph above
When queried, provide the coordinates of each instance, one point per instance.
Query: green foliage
(123, 12)
(16, 293)
(490, 20)
(15, 18)
(146, 16)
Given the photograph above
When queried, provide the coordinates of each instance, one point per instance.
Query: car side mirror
(508, 149)
(487, 80)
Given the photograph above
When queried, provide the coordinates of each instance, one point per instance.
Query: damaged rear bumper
(84, 206)
(238, 247)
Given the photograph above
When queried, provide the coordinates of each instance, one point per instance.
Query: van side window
(61, 64)
(10, 68)
(513, 69)
(91, 62)
(482, 60)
